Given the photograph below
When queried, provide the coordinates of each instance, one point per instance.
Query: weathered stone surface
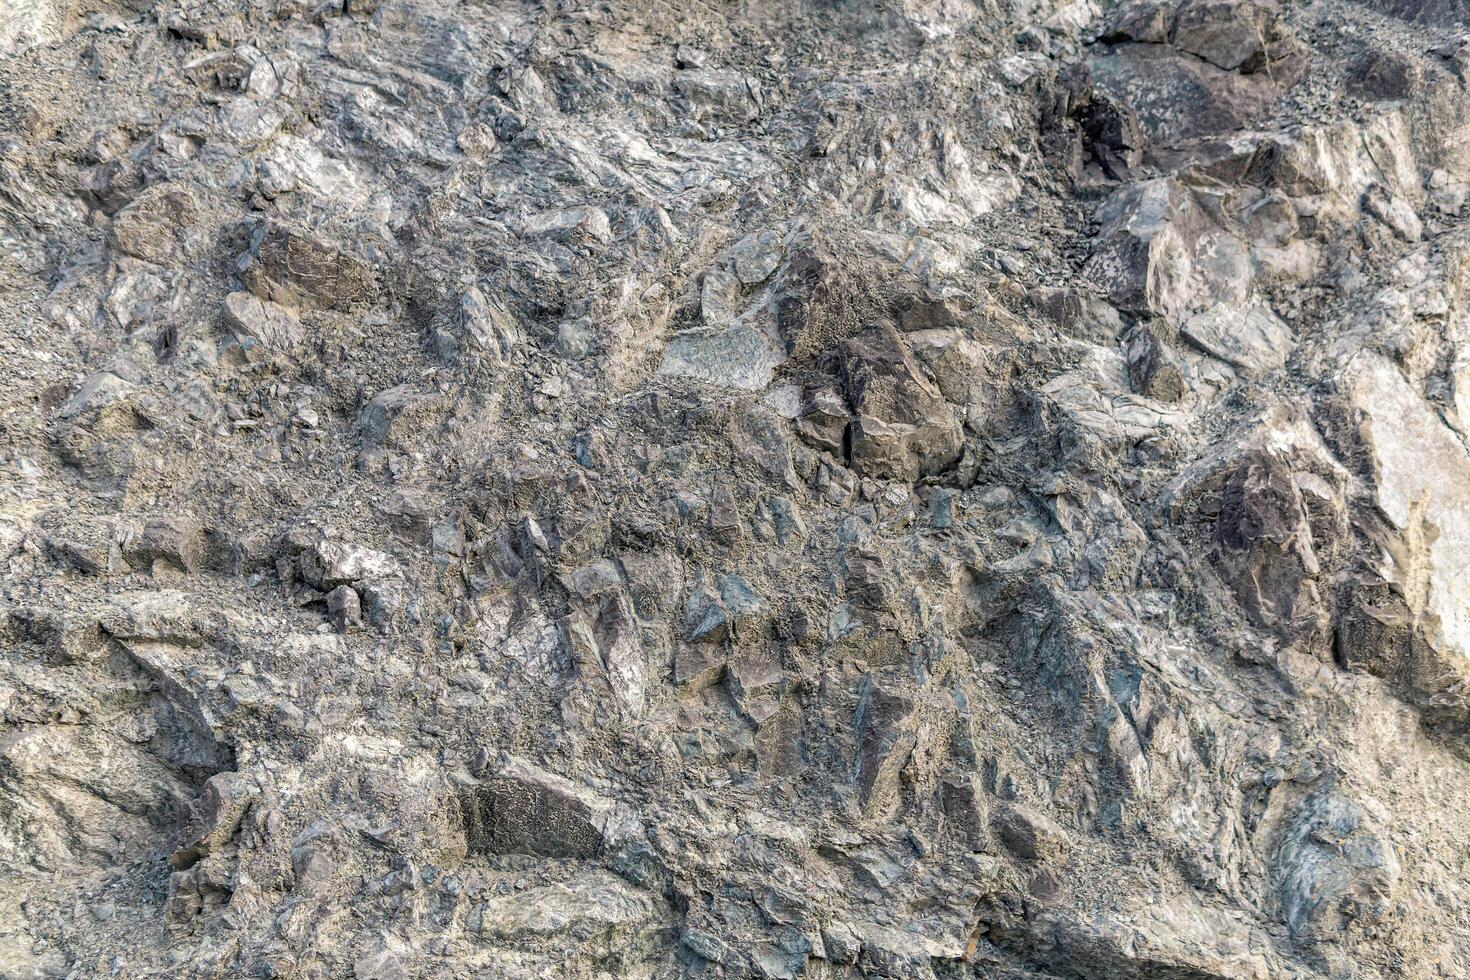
(259, 322)
(479, 325)
(1153, 368)
(1226, 33)
(901, 426)
(1333, 870)
(174, 541)
(25, 23)
(1030, 835)
(1420, 468)
(1253, 339)
(1160, 252)
(328, 563)
(298, 271)
(1264, 543)
(344, 608)
(908, 489)
(715, 611)
(161, 225)
(215, 817)
(523, 809)
(595, 918)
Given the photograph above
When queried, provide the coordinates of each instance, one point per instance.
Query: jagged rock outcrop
(915, 488)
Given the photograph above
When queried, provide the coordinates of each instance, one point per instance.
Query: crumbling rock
(259, 322)
(160, 225)
(920, 489)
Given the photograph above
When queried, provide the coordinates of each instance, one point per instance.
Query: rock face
(915, 488)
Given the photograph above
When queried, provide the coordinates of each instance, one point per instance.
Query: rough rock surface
(826, 488)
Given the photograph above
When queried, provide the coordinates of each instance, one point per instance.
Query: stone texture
(778, 489)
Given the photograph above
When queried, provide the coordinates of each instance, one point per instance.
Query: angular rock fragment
(1332, 869)
(479, 325)
(384, 418)
(95, 394)
(259, 322)
(1380, 74)
(1253, 339)
(173, 541)
(604, 642)
(740, 355)
(298, 271)
(520, 808)
(965, 810)
(161, 225)
(1265, 545)
(1079, 314)
(824, 420)
(344, 608)
(1029, 834)
(589, 921)
(1160, 252)
(888, 730)
(215, 817)
(1228, 34)
(1393, 212)
(382, 601)
(719, 95)
(328, 563)
(757, 686)
(1153, 368)
(744, 306)
(1143, 20)
(698, 666)
(712, 614)
(758, 436)
(902, 428)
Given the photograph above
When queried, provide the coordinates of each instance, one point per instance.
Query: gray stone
(1153, 368)
(937, 488)
(161, 225)
(344, 609)
(328, 563)
(1253, 338)
(259, 322)
(1029, 834)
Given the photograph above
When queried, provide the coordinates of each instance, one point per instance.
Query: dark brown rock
(902, 428)
(523, 809)
(299, 271)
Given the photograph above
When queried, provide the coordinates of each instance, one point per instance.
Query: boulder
(1421, 472)
(1252, 337)
(1162, 253)
(1153, 368)
(1030, 834)
(712, 614)
(161, 225)
(328, 563)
